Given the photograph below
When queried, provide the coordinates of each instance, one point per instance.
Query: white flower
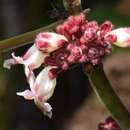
(123, 36)
(41, 89)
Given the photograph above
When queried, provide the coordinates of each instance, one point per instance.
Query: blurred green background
(73, 89)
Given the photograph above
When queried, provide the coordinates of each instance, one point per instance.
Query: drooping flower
(32, 59)
(123, 37)
(41, 89)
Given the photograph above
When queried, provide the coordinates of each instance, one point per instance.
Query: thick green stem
(25, 38)
(105, 92)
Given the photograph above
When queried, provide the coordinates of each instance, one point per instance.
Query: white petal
(30, 51)
(47, 109)
(44, 84)
(30, 78)
(32, 59)
(44, 107)
(27, 94)
(35, 59)
(8, 63)
(17, 59)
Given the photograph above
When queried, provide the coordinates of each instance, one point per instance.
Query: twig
(25, 38)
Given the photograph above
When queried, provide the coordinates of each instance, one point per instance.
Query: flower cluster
(109, 124)
(87, 42)
(75, 41)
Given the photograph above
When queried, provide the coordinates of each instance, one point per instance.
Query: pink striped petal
(49, 41)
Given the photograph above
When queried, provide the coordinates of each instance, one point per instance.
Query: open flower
(123, 37)
(32, 59)
(41, 89)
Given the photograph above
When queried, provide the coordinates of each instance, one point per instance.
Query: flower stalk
(107, 95)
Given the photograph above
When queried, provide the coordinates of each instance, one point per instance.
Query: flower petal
(44, 86)
(43, 89)
(8, 63)
(123, 37)
(47, 109)
(27, 94)
(30, 78)
(33, 58)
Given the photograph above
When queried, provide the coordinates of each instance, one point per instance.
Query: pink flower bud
(111, 38)
(105, 28)
(70, 47)
(41, 89)
(65, 65)
(80, 19)
(123, 37)
(71, 59)
(83, 58)
(49, 42)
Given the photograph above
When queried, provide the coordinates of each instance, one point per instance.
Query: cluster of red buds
(87, 42)
(75, 41)
(109, 124)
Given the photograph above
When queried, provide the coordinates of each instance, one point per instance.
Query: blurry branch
(26, 38)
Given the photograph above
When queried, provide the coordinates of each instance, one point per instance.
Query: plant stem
(25, 38)
(107, 95)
